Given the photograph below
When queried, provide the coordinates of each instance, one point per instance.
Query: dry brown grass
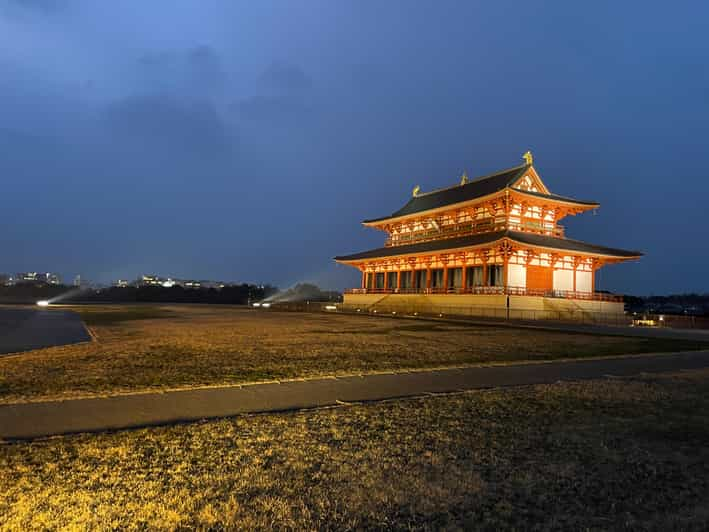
(157, 347)
(615, 454)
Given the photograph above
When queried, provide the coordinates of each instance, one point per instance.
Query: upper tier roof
(479, 187)
(528, 239)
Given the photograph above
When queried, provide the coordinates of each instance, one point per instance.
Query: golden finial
(464, 178)
(528, 157)
(416, 191)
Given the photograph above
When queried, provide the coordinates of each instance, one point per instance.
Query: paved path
(23, 329)
(32, 420)
(700, 335)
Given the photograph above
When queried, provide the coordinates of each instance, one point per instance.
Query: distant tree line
(30, 292)
(688, 304)
(305, 292)
(238, 294)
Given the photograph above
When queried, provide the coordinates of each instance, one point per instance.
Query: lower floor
(575, 277)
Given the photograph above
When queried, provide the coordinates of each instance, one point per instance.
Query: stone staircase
(386, 304)
(569, 310)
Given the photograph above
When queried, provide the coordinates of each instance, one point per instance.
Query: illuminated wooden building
(493, 242)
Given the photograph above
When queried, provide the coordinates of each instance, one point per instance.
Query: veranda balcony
(469, 228)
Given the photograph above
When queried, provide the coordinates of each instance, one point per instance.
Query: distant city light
(43, 303)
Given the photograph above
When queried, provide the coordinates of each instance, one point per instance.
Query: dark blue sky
(247, 140)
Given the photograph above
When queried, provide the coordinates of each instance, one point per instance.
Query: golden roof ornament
(464, 178)
(528, 157)
(416, 191)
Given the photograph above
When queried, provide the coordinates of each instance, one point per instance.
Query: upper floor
(514, 199)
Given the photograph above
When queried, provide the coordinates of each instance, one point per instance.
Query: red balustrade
(493, 290)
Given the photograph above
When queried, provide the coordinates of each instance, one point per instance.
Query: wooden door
(540, 278)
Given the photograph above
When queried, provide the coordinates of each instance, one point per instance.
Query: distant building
(82, 283)
(169, 282)
(149, 280)
(5, 279)
(216, 285)
(35, 277)
(121, 283)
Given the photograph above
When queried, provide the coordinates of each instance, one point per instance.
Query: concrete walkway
(699, 335)
(33, 420)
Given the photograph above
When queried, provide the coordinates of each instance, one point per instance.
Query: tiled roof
(477, 188)
(556, 197)
(531, 239)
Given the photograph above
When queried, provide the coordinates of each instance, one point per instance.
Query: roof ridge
(475, 180)
(495, 174)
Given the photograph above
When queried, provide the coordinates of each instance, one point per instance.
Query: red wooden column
(464, 277)
(428, 278)
(364, 279)
(485, 276)
(398, 281)
(445, 259)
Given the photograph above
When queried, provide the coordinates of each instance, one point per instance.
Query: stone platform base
(489, 306)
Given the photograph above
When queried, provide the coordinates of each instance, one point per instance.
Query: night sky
(246, 141)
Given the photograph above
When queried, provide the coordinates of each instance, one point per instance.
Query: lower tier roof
(481, 239)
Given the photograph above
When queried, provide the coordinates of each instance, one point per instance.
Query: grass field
(617, 454)
(158, 347)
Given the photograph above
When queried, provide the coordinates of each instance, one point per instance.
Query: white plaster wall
(583, 281)
(563, 280)
(517, 275)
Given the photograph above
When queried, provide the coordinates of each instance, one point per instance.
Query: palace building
(485, 246)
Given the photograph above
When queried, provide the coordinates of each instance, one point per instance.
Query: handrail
(471, 228)
(493, 290)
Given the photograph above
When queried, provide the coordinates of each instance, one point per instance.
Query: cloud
(193, 70)
(285, 77)
(284, 93)
(41, 5)
(205, 63)
(161, 122)
(272, 109)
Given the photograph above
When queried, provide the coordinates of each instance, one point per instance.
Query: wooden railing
(470, 228)
(493, 290)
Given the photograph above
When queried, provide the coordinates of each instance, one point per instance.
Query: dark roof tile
(532, 239)
(475, 189)
(457, 194)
